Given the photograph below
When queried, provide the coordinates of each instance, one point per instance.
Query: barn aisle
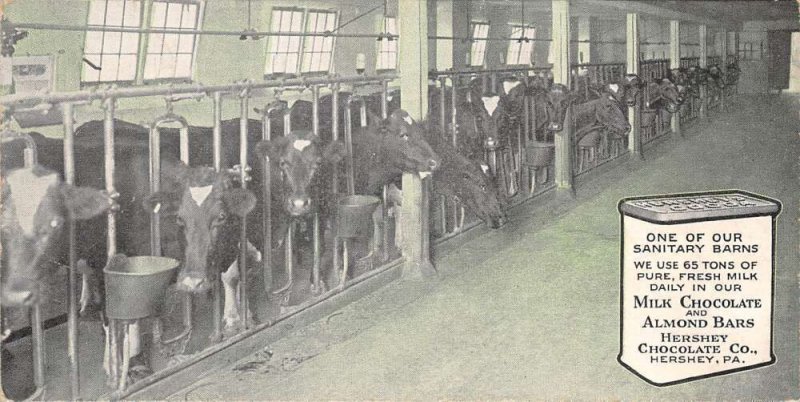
(519, 308)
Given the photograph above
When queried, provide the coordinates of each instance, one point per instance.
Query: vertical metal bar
(348, 142)
(38, 347)
(72, 312)
(335, 133)
(266, 179)
(316, 233)
(155, 186)
(111, 234)
(443, 104)
(243, 176)
(184, 138)
(453, 117)
(216, 287)
(385, 189)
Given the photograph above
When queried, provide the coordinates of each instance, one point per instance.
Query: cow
(36, 205)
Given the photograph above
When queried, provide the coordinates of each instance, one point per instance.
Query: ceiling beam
(655, 11)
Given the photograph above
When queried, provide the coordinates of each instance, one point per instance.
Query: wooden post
(561, 66)
(413, 66)
(632, 65)
(703, 35)
(675, 62)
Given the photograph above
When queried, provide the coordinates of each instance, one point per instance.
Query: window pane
(183, 68)
(170, 43)
(283, 44)
(279, 63)
(151, 66)
(331, 23)
(94, 42)
(127, 68)
(328, 44)
(276, 20)
(112, 41)
(189, 16)
(90, 74)
(174, 13)
(97, 12)
(110, 64)
(291, 63)
(312, 22)
(294, 44)
(114, 11)
(186, 44)
(297, 21)
(154, 43)
(132, 13)
(286, 24)
(130, 43)
(159, 17)
(167, 67)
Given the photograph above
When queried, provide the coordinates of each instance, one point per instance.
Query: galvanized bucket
(135, 286)
(355, 215)
(539, 154)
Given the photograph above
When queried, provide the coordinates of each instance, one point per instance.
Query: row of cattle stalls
(594, 147)
(178, 328)
(655, 124)
(520, 160)
(691, 109)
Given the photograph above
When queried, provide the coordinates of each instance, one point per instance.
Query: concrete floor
(532, 310)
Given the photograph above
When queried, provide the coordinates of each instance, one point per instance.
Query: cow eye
(283, 164)
(404, 136)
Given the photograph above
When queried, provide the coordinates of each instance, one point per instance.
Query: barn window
(520, 50)
(480, 31)
(284, 51)
(171, 55)
(113, 55)
(387, 48)
(318, 50)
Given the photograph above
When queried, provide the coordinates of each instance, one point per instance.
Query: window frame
(193, 66)
(378, 51)
(476, 43)
(103, 32)
(269, 55)
(301, 58)
(512, 41)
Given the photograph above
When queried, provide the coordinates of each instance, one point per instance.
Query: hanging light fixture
(249, 32)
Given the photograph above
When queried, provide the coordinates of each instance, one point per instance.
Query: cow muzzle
(192, 282)
(20, 293)
(297, 206)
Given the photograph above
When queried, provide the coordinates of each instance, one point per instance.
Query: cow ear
(84, 202)
(334, 152)
(271, 148)
(373, 119)
(239, 201)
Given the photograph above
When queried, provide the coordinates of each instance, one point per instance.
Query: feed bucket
(355, 215)
(539, 154)
(135, 286)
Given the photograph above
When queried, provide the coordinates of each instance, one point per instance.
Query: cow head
(716, 76)
(403, 143)
(671, 95)
(35, 206)
(208, 211)
(609, 113)
(298, 156)
(633, 85)
(558, 100)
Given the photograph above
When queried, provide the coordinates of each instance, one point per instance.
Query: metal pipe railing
(113, 92)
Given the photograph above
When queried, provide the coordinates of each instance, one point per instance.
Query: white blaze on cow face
(490, 103)
(199, 194)
(509, 85)
(614, 88)
(485, 168)
(300, 145)
(27, 192)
